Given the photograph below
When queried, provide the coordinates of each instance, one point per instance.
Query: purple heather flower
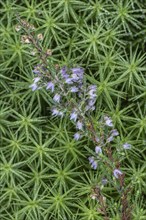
(36, 71)
(79, 125)
(36, 79)
(77, 70)
(127, 146)
(55, 112)
(57, 98)
(94, 165)
(89, 108)
(93, 162)
(50, 86)
(93, 87)
(69, 81)
(114, 132)
(92, 91)
(64, 72)
(77, 136)
(74, 89)
(92, 94)
(33, 86)
(116, 173)
(91, 102)
(73, 116)
(98, 150)
(109, 139)
(108, 121)
(75, 77)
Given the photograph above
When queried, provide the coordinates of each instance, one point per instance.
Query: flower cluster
(106, 135)
(70, 94)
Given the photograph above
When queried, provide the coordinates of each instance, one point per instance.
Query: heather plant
(74, 147)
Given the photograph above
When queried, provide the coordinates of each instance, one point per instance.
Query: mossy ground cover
(44, 173)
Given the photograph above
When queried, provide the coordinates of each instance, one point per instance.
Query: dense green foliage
(44, 173)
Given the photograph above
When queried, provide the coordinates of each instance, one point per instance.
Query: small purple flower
(74, 89)
(93, 87)
(92, 93)
(64, 72)
(50, 86)
(93, 162)
(73, 116)
(69, 81)
(77, 70)
(75, 78)
(36, 79)
(56, 112)
(57, 98)
(89, 108)
(114, 132)
(109, 139)
(36, 69)
(91, 102)
(79, 125)
(117, 173)
(77, 136)
(127, 146)
(94, 165)
(108, 121)
(98, 150)
(33, 86)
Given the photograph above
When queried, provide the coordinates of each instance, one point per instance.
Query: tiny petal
(73, 116)
(64, 72)
(98, 150)
(79, 125)
(33, 86)
(92, 93)
(91, 102)
(94, 165)
(57, 98)
(109, 139)
(77, 136)
(91, 160)
(36, 79)
(75, 77)
(69, 81)
(74, 89)
(77, 70)
(50, 86)
(108, 121)
(89, 108)
(55, 112)
(117, 173)
(127, 146)
(93, 87)
(114, 132)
